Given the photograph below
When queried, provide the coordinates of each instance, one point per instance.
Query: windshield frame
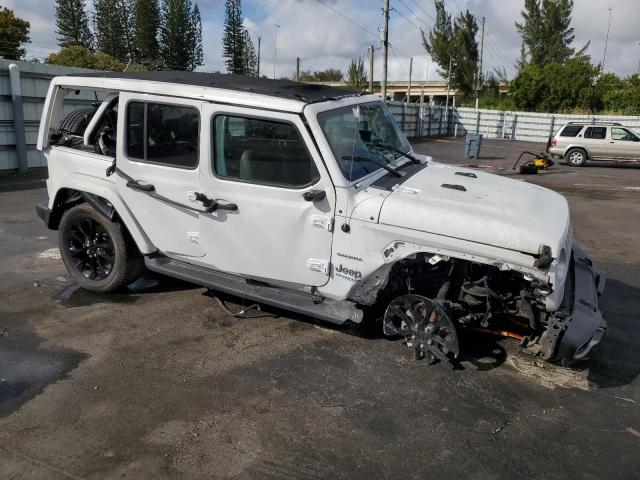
(395, 160)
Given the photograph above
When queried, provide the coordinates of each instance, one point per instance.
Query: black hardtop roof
(287, 89)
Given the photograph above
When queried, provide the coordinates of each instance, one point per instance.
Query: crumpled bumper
(578, 325)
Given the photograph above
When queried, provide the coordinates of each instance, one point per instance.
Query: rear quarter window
(571, 131)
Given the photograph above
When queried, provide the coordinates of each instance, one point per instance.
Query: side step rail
(332, 311)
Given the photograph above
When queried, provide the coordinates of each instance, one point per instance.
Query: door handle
(212, 205)
(313, 195)
(143, 187)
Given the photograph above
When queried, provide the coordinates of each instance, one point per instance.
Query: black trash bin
(472, 144)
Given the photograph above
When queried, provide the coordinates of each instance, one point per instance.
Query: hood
(491, 209)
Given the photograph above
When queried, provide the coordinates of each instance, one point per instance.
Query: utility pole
(297, 69)
(385, 49)
(606, 42)
(259, 41)
(370, 68)
(639, 63)
(275, 48)
(448, 84)
(479, 84)
(410, 73)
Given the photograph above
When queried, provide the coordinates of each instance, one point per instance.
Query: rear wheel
(576, 157)
(98, 253)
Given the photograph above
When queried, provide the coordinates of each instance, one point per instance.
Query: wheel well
(67, 198)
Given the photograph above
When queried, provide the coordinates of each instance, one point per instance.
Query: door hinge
(322, 221)
(193, 237)
(318, 265)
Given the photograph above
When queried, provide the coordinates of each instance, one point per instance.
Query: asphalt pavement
(159, 382)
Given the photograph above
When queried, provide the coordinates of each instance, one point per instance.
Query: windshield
(360, 137)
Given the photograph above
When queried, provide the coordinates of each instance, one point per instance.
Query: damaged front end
(431, 298)
(577, 326)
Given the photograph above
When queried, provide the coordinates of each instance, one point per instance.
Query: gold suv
(579, 142)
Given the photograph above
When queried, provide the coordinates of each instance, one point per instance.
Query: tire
(77, 121)
(576, 157)
(98, 253)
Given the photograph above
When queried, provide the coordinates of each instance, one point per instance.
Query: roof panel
(286, 89)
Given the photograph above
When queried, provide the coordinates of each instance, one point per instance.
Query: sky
(329, 33)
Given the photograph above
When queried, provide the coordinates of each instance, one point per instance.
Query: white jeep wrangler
(307, 198)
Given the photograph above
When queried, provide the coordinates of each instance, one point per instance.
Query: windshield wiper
(389, 169)
(389, 148)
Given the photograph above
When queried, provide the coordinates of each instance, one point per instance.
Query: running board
(332, 311)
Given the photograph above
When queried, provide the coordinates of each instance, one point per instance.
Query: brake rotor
(425, 326)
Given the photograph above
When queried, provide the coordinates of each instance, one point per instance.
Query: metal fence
(24, 97)
(526, 126)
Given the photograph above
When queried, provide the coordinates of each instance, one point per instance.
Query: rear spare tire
(98, 253)
(77, 121)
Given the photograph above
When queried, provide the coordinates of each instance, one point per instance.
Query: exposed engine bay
(432, 298)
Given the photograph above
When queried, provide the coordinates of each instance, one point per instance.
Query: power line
(347, 18)
(412, 13)
(424, 11)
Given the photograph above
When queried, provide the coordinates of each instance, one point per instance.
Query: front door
(624, 143)
(158, 146)
(265, 165)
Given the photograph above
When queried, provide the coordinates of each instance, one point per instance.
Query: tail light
(553, 142)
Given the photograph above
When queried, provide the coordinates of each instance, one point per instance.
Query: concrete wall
(34, 81)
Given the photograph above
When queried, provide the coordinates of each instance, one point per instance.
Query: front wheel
(98, 253)
(576, 157)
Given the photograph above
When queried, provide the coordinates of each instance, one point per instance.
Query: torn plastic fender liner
(105, 208)
(578, 325)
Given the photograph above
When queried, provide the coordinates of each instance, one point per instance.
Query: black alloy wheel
(91, 248)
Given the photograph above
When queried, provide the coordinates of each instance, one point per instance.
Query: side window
(261, 151)
(571, 131)
(163, 134)
(623, 134)
(596, 133)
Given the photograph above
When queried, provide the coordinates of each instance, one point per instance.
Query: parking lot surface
(160, 382)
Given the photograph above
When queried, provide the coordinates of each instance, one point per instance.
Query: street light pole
(639, 62)
(275, 48)
(606, 42)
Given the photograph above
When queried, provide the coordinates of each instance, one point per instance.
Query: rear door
(265, 164)
(624, 143)
(159, 157)
(595, 141)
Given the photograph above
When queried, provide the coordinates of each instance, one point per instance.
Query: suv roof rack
(594, 122)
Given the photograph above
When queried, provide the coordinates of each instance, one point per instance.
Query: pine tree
(180, 35)
(195, 39)
(234, 48)
(465, 53)
(454, 43)
(249, 55)
(145, 26)
(72, 23)
(111, 28)
(438, 41)
(546, 31)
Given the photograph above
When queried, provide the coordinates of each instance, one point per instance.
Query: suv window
(261, 151)
(623, 134)
(597, 133)
(571, 130)
(163, 134)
